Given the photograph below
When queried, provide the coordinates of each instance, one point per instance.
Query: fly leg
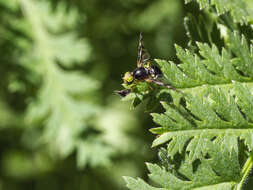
(165, 85)
(123, 93)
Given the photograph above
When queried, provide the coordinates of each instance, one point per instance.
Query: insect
(145, 71)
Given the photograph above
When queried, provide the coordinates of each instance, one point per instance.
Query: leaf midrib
(191, 132)
(224, 85)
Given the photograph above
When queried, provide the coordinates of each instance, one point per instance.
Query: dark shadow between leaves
(220, 116)
(195, 165)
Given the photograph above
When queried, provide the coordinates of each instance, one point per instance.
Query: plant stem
(245, 171)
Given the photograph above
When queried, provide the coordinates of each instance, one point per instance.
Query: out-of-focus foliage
(64, 116)
(61, 127)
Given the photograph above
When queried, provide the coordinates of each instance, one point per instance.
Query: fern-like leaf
(206, 125)
(241, 10)
(59, 103)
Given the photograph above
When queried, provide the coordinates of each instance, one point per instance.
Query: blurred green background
(61, 125)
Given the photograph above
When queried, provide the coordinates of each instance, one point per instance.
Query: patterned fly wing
(143, 55)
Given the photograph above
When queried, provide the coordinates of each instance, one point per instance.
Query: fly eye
(140, 73)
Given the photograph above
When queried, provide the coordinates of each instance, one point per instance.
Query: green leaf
(88, 153)
(62, 103)
(206, 130)
(139, 184)
(186, 179)
(77, 51)
(240, 10)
